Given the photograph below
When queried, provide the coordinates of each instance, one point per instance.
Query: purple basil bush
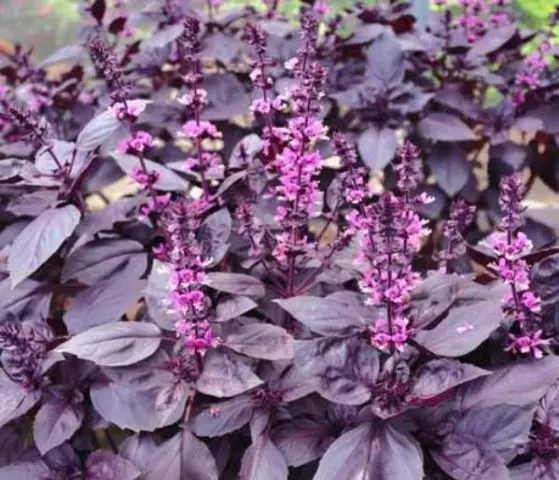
(322, 266)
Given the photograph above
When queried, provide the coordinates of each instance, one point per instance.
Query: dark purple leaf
(506, 158)
(226, 97)
(156, 296)
(214, 235)
(372, 451)
(40, 240)
(223, 48)
(463, 329)
(236, 283)
(263, 461)
(97, 131)
(55, 422)
(548, 408)
(451, 96)
(103, 465)
(257, 340)
(114, 344)
(182, 456)
(117, 25)
(167, 181)
(438, 376)
(103, 303)
(301, 441)
(325, 316)
(15, 399)
(521, 383)
(35, 470)
(11, 445)
(163, 37)
(521, 472)
(32, 204)
(225, 376)
(133, 409)
(233, 307)
(230, 181)
(139, 450)
(98, 260)
(28, 298)
(444, 127)
(451, 167)
(377, 147)
(494, 39)
(10, 168)
(385, 61)
(222, 418)
(98, 9)
(245, 150)
(341, 370)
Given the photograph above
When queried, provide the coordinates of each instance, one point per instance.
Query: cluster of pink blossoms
(478, 16)
(521, 304)
(179, 224)
(391, 234)
(530, 76)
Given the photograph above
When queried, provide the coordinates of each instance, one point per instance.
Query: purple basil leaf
(214, 235)
(167, 181)
(301, 441)
(139, 450)
(65, 155)
(98, 260)
(225, 376)
(32, 204)
(68, 54)
(372, 451)
(157, 294)
(236, 283)
(440, 375)
(10, 168)
(182, 456)
(521, 472)
(233, 307)
(40, 240)
(230, 181)
(385, 62)
(544, 468)
(222, 418)
(463, 329)
(521, 383)
(464, 460)
(163, 37)
(132, 409)
(11, 445)
(325, 316)
(493, 39)
(501, 428)
(377, 147)
(15, 399)
(103, 303)
(257, 340)
(114, 344)
(342, 370)
(103, 465)
(102, 128)
(451, 167)
(548, 408)
(226, 97)
(35, 470)
(28, 298)
(444, 127)
(55, 422)
(263, 461)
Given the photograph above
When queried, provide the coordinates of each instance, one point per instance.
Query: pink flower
(136, 143)
(201, 129)
(320, 7)
(261, 106)
(532, 302)
(527, 344)
(123, 111)
(143, 178)
(197, 98)
(383, 340)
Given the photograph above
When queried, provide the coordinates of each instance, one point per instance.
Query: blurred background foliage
(48, 24)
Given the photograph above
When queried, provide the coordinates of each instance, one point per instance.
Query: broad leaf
(225, 376)
(55, 422)
(167, 181)
(236, 283)
(326, 316)
(263, 461)
(372, 451)
(445, 128)
(15, 399)
(224, 417)
(114, 344)
(163, 37)
(377, 147)
(33, 470)
(138, 449)
(103, 465)
(182, 456)
(451, 168)
(69, 54)
(258, 340)
(385, 61)
(233, 307)
(40, 240)
(214, 235)
(493, 39)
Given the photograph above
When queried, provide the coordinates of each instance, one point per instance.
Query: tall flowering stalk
(391, 236)
(521, 304)
(453, 245)
(127, 112)
(180, 221)
(299, 163)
